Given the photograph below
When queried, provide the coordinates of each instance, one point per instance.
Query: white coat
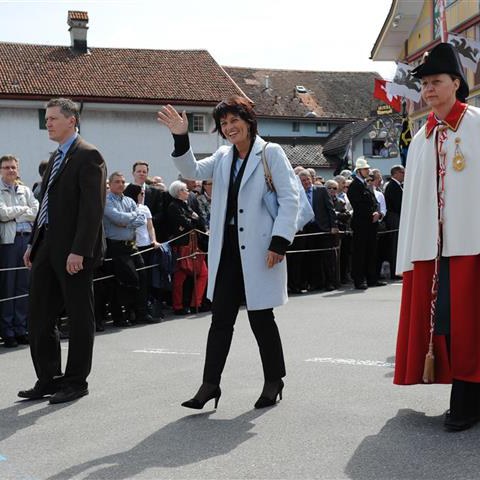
(264, 287)
(419, 217)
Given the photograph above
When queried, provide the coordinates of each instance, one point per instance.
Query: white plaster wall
(124, 138)
(20, 135)
(122, 135)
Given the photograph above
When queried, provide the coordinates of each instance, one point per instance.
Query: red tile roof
(113, 75)
(332, 95)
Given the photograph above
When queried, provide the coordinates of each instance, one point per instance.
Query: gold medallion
(458, 162)
(458, 158)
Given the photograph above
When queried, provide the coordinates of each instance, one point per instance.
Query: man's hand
(273, 258)
(74, 263)
(26, 257)
(375, 217)
(334, 230)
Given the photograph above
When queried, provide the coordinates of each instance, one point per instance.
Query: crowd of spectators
(157, 239)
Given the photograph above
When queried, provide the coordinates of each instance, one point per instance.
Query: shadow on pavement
(13, 418)
(188, 440)
(414, 446)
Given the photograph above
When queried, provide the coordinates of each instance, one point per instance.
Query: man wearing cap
(439, 246)
(364, 225)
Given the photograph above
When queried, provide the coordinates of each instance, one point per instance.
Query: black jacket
(322, 204)
(363, 202)
(180, 219)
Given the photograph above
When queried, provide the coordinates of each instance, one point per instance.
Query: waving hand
(177, 124)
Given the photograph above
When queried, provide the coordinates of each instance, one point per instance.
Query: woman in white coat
(247, 246)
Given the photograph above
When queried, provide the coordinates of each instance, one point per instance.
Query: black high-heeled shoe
(198, 404)
(268, 401)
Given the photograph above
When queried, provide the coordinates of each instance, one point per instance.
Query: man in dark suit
(364, 225)
(320, 266)
(66, 244)
(154, 199)
(393, 198)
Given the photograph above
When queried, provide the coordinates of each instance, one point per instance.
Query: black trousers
(51, 290)
(228, 295)
(297, 265)
(464, 400)
(364, 254)
(129, 287)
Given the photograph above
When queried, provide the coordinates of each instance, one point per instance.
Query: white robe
(419, 216)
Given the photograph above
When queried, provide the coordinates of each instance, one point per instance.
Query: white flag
(468, 50)
(404, 85)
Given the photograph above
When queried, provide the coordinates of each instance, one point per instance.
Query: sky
(319, 35)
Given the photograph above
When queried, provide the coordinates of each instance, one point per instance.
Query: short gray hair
(176, 187)
(68, 108)
(333, 183)
(304, 173)
(115, 174)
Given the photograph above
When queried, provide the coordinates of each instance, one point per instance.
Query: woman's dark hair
(132, 191)
(235, 105)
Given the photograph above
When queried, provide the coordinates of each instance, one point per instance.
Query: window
(295, 126)
(41, 119)
(322, 127)
(375, 148)
(196, 122)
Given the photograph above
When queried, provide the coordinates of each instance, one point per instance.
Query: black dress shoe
(377, 284)
(22, 339)
(457, 425)
(10, 342)
(68, 394)
(396, 277)
(120, 322)
(330, 288)
(38, 391)
(181, 311)
(361, 286)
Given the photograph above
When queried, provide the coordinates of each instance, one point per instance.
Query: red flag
(382, 94)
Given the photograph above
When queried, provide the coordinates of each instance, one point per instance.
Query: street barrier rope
(336, 249)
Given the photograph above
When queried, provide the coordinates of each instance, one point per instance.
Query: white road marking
(351, 361)
(163, 351)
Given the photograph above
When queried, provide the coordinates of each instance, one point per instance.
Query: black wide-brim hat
(444, 59)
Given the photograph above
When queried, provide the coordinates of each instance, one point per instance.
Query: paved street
(340, 417)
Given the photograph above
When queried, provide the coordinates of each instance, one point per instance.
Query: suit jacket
(393, 198)
(154, 200)
(363, 202)
(76, 200)
(322, 205)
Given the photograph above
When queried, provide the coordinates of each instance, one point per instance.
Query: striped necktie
(43, 214)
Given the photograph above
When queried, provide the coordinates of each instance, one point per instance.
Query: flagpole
(443, 20)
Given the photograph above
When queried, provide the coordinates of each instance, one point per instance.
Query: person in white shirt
(145, 237)
(18, 209)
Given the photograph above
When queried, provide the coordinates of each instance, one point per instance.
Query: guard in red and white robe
(439, 242)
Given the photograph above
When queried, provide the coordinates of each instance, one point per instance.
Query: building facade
(413, 27)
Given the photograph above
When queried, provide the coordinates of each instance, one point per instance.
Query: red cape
(414, 328)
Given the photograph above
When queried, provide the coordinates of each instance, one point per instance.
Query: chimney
(267, 82)
(77, 22)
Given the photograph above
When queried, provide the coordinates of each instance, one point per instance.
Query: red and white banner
(381, 92)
